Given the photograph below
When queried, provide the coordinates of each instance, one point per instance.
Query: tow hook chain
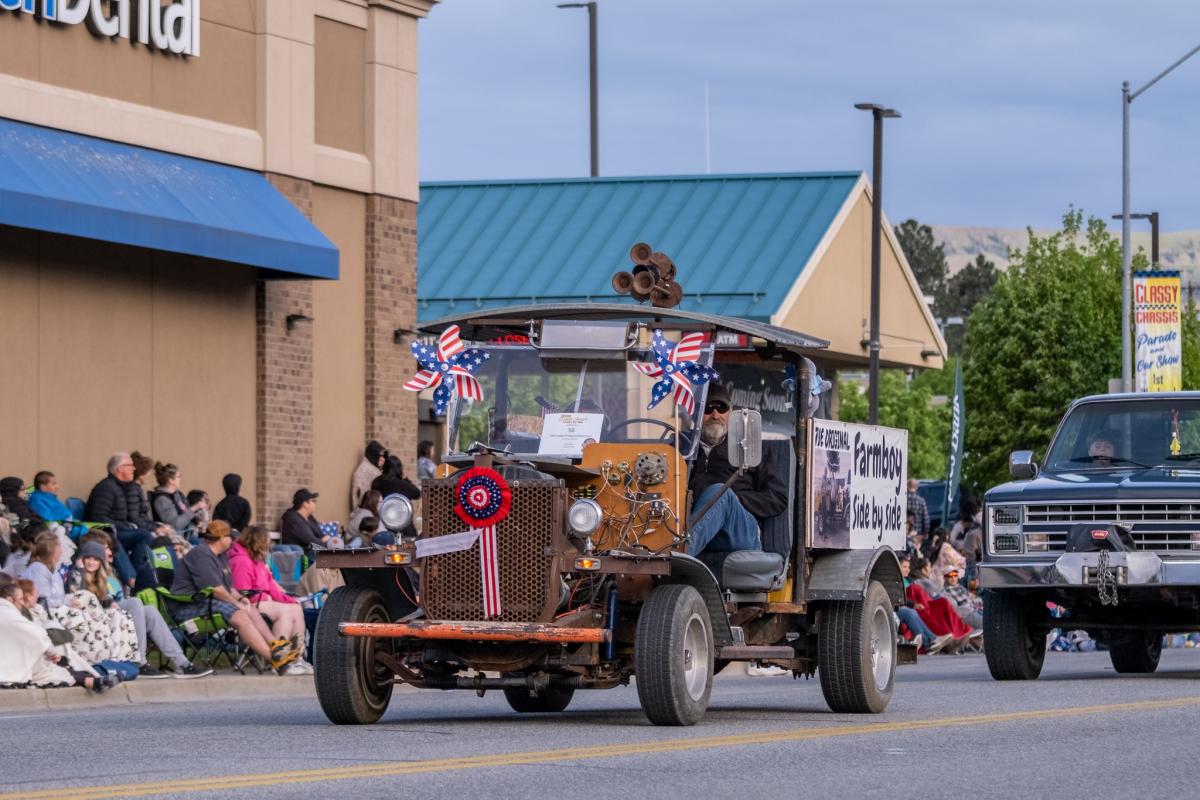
(1106, 581)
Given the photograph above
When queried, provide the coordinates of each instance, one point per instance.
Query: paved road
(950, 732)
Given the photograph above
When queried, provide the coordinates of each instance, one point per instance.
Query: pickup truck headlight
(1004, 528)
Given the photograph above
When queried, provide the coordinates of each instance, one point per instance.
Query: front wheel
(673, 656)
(1015, 650)
(352, 686)
(1136, 653)
(856, 652)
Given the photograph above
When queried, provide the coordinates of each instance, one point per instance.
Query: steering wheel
(667, 434)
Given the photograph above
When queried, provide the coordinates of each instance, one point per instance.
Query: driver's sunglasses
(716, 407)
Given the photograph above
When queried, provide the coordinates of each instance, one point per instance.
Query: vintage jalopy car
(551, 555)
(1107, 528)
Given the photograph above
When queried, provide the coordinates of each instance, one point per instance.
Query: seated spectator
(12, 494)
(169, 505)
(937, 613)
(100, 633)
(44, 501)
(908, 616)
(426, 468)
(205, 567)
(21, 548)
(28, 656)
(233, 508)
(299, 525)
(199, 500)
(90, 573)
(118, 501)
(966, 605)
(943, 558)
(252, 577)
(367, 507)
(60, 637)
(366, 472)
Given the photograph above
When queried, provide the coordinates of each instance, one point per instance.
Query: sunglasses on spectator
(716, 406)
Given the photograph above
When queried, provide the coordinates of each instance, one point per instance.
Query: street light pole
(1153, 217)
(1127, 99)
(593, 82)
(878, 112)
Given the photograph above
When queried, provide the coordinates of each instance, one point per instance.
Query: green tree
(963, 291)
(906, 404)
(926, 256)
(1190, 335)
(1049, 331)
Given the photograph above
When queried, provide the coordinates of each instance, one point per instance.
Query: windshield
(1125, 434)
(555, 406)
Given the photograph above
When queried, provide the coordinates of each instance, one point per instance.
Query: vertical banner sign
(1158, 309)
(958, 431)
(856, 485)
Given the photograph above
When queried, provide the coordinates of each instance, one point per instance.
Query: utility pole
(593, 82)
(879, 113)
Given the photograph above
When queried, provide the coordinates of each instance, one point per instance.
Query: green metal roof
(739, 241)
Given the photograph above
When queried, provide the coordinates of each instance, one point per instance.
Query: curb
(171, 690)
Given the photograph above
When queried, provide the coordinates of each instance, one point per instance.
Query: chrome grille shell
(1156, 525)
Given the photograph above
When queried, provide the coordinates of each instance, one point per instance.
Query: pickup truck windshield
(1125, 434)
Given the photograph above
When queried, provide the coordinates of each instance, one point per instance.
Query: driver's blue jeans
(727, 526)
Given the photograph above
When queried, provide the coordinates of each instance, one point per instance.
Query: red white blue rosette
(482, 497)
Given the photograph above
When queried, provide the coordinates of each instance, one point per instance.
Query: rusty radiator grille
(451, 585)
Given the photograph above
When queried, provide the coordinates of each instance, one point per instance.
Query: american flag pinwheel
(676, 365)
(448, 366)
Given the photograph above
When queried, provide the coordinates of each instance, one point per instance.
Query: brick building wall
(391, 304)
(284, 400)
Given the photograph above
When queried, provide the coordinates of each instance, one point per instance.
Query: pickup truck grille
(1161, 526)
(450, 583)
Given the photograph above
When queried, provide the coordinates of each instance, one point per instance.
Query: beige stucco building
(229, 363)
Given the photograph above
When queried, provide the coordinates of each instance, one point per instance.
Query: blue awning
(61, 182)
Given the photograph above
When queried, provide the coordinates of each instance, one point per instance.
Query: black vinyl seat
(766, 569)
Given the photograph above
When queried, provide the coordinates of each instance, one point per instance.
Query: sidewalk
(223, 686)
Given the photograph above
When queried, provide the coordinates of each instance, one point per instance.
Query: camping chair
(205, 638)
(287, 566)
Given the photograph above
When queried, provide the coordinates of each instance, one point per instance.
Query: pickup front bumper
(1081, 569)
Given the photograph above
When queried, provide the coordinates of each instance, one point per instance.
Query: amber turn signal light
(398, 558)
(587, 564)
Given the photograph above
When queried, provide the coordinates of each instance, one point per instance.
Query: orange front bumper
(476, 631)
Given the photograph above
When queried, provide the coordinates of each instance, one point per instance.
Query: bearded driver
(754, 497)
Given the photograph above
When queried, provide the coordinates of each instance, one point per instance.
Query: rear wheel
(548, 700)
(1136, 653)
(352, 686)
(673, 656)
(856, 652)
(1015, 649)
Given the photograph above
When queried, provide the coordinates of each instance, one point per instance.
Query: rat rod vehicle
(1108, 528)
(552, 556)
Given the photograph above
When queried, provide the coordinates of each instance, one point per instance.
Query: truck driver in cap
(754, 497)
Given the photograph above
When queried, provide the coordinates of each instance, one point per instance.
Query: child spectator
(367, 507)
(252, 577)
(43, 568)
(28, 655)
(90, 573)
(233, 508)
(199, 500)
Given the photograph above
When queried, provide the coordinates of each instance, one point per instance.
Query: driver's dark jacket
(762, 492)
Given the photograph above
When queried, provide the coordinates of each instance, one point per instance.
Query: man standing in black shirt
(754, 497)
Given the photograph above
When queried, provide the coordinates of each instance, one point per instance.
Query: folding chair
(205, 638)
(287, 566)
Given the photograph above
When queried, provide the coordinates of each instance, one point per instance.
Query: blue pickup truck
(1107, 526)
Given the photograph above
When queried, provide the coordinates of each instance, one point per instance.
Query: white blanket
(25, 645)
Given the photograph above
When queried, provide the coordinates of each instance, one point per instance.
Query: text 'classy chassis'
(553, 555)
(1104, 536)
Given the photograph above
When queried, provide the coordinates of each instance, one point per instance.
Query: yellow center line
(394, 768)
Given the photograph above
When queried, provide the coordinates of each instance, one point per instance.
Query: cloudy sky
(1011, 110)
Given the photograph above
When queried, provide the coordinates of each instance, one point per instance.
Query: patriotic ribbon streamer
(447, 366)
(483, 502)
(676, 365)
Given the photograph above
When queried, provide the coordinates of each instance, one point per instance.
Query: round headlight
(395, 512)
(584, 517)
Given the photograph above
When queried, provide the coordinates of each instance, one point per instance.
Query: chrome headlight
(584, 517)
(396, 512)
(1004, 528)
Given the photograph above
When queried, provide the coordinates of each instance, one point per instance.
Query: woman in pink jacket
(248, 563)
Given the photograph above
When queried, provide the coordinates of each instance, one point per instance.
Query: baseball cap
(718, 394)
(302, 496)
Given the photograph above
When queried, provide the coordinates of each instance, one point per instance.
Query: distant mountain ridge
(1179, 250)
